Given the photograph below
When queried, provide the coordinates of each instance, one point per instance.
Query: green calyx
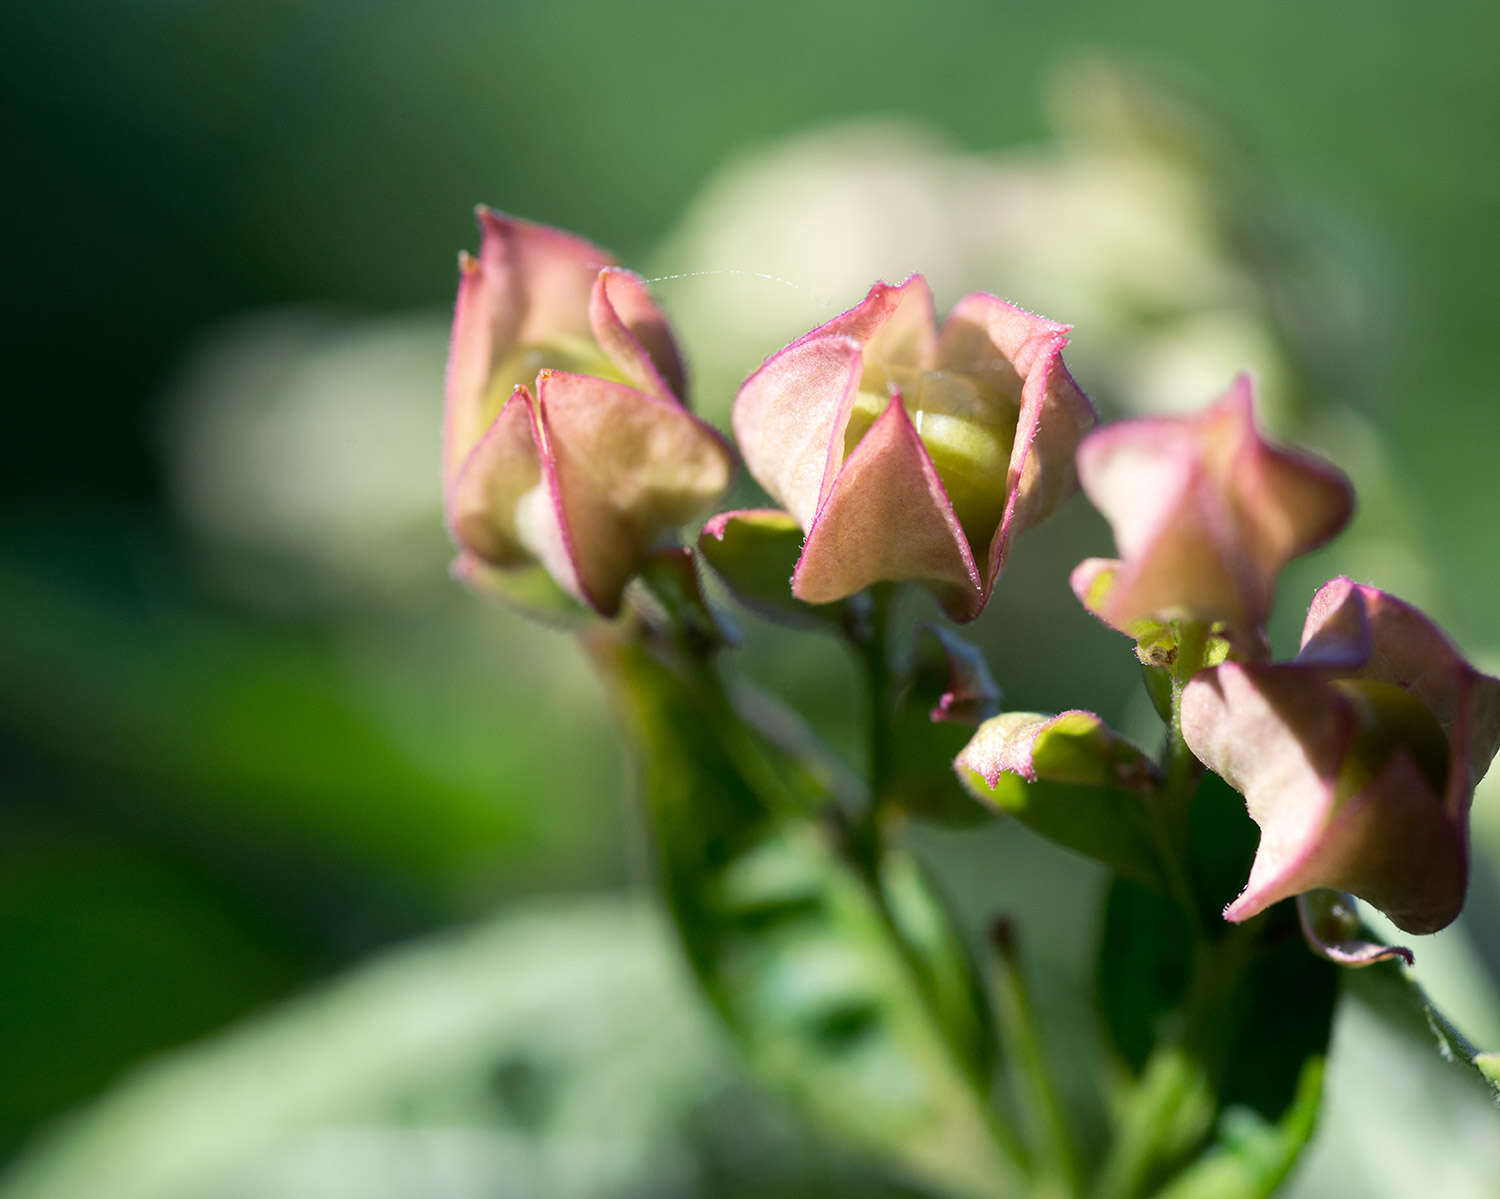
(1391, 719)
(968, 430)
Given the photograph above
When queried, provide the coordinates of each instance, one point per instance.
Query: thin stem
(1166, 1109)
(1181, 772)
(1039, 1095)
(1181, 768)
(869, 635)
(1172, 1105)
(875, 655)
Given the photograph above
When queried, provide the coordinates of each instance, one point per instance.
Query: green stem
(1167, 1103)
(870, 634)
(875, 655)
(1171, 1107)
(1181, 772)
(1058, 1159)
(1181, 768)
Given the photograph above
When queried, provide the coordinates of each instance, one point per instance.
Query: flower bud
(1205, 514)
(1358, 759)
(906, 451)
(566, 444)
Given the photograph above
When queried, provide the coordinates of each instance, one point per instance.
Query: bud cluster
(900, 448)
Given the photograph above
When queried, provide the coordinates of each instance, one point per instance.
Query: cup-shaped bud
(566, 443)
(908, 451)
(1205, 514)
(1358, 759)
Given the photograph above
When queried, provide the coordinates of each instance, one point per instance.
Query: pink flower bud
(905, 451)
(1358, 759)
(566, 444)
(1205, 514)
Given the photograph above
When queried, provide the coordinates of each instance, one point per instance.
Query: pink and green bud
(1072, 747)
(1071, 779)
(566, 443)
(908, 451)
(1358, 759)
(1205, 514)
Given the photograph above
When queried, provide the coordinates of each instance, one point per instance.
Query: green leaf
(1222, 843)
(557, 1049)
(1144, 963)
(798, 951)
(1226, 1042)
(1391, 991)
(946, 968)
(1252, 1155)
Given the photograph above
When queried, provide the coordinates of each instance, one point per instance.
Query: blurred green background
(268, 777)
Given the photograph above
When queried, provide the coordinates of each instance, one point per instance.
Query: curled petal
(529, 283)
(1374, 635)
(1017, 353)
(899, 328)
(790, 417)
(1333, 930)
(546, 274)
(888, 517)
(634, 333)
(626, 467)
(1290, 743)
(894, 321)
(1206, 513)
(1055, 415)
(503, 506)
(481, 323)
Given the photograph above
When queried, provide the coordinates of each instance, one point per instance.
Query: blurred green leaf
(797, 951)
(367, 748)
(1226, 1041)
(1143, 966)
(114, 948)
(1392, 992)
(945, 966)
(555, 1050)
(1107, 824)
(1253, 1156)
